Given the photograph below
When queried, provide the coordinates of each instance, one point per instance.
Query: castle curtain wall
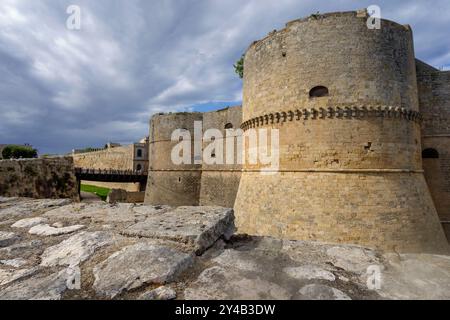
(434, 103)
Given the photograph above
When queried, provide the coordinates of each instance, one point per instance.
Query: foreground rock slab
(161, 293)
(100, 212)
(11, 275)
(7, 238)
(15, 263)
(139, 264)
(199, 227)
(218, 283)
(29, 222)
(46, 230)
(17, 208)
(40, 287)
(416, 276)
(129, 251)
(321, 292)
(76, 249)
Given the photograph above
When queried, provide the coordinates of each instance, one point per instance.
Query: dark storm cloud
(63, 89)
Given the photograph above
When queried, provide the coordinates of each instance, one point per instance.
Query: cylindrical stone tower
(170, 183)
(344, 99)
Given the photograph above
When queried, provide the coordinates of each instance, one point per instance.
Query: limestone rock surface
(29, 222)
(161, 293)
(46, 230)
(197, 226)
(139, 264)
(7, 238)
(40, 287)
(322, 292)
(76, 249)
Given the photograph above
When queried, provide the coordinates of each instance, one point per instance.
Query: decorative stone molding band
(298, 170)
(333, 112)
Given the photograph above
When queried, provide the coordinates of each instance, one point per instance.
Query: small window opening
(430, 153)
(318, 92)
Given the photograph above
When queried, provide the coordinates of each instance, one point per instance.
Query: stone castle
(360, 120)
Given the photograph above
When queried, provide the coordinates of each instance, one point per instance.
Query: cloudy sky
(62, 89)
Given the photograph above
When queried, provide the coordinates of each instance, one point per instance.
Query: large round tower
(170, 183)
(344, 99)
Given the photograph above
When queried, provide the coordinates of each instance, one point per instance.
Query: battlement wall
(118, 158)
(38, 178)
(191, 184)
(434, 102)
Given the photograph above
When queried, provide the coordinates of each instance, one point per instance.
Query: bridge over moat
(112, 175)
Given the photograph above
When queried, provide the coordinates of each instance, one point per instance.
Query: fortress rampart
(191, 184)
(51, 178)
(434, 103)
(120, 158)
(344, 99)
(168, 183)
(349, 103)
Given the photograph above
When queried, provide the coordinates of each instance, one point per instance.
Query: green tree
(17, 152)
(239, 67)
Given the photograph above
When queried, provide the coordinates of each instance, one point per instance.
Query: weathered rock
(161, 293)
(218, 283)
(46, 230)
(22, 249)
(321, 292)
(240, 260)
(25, 207)
(146, 210)
(354, 259)
(39, 287)
(7, 238)
(58, 225)
(136, 265)
(200, 227)
(309, 272)
(100, 212)
(5, 199)
(76, 249)
(16, 263)
(11, 275)
(29, 222)
(50, 203)
(416, 276)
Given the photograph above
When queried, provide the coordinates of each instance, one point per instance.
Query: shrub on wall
(239, 67)
(17, 152)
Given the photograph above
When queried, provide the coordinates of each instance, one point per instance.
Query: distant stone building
(356, 113)
(133, 157)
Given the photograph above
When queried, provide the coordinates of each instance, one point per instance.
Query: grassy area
(99, 191)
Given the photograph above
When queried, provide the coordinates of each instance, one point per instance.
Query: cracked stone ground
(56, 249)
